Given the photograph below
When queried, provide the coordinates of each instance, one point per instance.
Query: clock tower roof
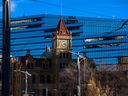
(62, 29)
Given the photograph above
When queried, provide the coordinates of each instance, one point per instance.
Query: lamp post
(6, 49)
(78, 76)
(78, 71)
(26, 80)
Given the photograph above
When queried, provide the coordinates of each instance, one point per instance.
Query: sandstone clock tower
(62, 37)
(61, 44)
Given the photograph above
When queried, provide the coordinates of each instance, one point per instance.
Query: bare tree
(112, 83)
(68, 78)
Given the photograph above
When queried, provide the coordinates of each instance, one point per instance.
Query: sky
(86, 8)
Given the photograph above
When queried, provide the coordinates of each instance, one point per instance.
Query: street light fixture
(26, 80)
(78, 71)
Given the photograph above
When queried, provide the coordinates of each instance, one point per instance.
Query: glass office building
(103, 40)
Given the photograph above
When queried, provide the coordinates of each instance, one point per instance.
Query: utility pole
(6, 49)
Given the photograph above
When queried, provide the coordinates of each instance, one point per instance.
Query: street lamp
(78, 71)
(26, 80)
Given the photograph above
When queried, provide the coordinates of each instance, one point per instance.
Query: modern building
(123, 60)
(101, 39)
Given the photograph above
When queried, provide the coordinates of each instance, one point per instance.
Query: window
(48, 79)
(21, 21)
(71, 20)
(42, 79)
(46, 64)
(34, 26)
(93, 39)
(61, 55)
(25, 20)
(67, 55)
(105, 38)
(33, 79)
(49, 30)
(61, 65)
(103, 45)
(64, 55)
(49, 65)
(119, 37)
(42, 65)
(76, 34)
(64, 65)
(26, 27)
(74, 28)
(44, 92)
(47, 36)
(18, 28)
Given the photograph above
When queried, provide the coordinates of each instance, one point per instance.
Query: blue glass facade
(98, 38)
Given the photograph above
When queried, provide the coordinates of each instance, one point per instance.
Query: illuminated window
(17, 28)
(102, 45)
(119, 37)
(25, 20)
(105, 38)
(26, 27)
(93, 39)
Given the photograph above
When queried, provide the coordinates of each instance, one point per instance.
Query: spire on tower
(62, 29)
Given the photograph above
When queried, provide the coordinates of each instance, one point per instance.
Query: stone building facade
(44, 79)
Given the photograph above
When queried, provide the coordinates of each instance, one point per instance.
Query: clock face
(64, 43)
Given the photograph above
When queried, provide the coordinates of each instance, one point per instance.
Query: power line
(78, 10)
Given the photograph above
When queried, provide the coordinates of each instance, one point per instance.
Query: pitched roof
(62, 29)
